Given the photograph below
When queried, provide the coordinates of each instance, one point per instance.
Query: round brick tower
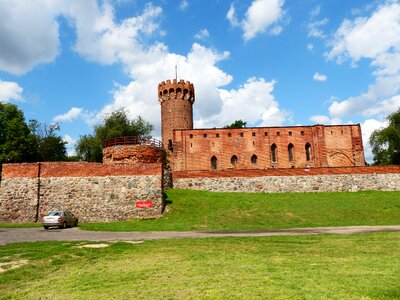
(176, 99)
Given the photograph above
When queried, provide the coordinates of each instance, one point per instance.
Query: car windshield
(55, 213)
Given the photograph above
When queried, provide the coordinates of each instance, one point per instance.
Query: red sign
(144, 204)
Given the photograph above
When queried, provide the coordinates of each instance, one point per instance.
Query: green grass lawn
(204, 211)
(288, 267)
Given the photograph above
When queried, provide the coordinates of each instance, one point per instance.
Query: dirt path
(16, 235)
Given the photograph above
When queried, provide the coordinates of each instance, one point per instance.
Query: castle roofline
(269, 127)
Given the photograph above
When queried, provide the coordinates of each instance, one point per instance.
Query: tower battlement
(176, 99)
(176, 90)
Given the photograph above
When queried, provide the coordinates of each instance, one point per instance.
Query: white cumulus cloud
(28, 35)
(319, 77)
(262, 16)
(183, 5)
(376, 38)
(10, 91)
(202, 35)
(367, 127)
(73, 113)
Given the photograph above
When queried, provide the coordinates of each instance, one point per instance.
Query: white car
(60, 219)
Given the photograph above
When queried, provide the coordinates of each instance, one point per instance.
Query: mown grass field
(204, 211)
(292, 267)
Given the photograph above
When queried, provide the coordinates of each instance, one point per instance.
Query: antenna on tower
(176, 72)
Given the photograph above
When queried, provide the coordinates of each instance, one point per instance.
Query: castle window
(190, 136)
(331, 132)
(302, 133)
(171, 91)
(290, 133)
(265, 133)
(241, 134)
(205, 135)
(308, 152)
(278, 133)
(254, 159)
(213, 163)
(253, 134)
(179, 91)
(170, 147)
(234, 160)
(229, 134)
(341, 132)
(274, 153)
(217, 135)
(290, 151)
(191, 144)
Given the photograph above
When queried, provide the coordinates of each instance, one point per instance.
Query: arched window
(290, 151)
(234, 160)
(213, 163)
(254, 159)
(274, 153)
(308, 151)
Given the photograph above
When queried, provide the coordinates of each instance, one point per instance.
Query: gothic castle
(250, 147)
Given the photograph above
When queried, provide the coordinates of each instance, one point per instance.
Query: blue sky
(267, 62)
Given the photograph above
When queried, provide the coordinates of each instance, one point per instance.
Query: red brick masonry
(78, 169)
(288, 172)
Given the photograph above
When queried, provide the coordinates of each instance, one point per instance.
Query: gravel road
(16, 235)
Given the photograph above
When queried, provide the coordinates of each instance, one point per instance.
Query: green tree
(17, 143)
(237, 124)
(115, 124)
(51, 146)
(386, 142)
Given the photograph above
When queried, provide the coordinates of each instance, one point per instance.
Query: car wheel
(63, 226)
(46, 227)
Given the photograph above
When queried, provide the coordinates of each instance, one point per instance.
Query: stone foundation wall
(108, 197)
(292, 180)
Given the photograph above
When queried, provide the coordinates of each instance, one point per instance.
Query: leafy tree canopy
(17, 143)
(115, 124)
(237, 124)
(386, 142)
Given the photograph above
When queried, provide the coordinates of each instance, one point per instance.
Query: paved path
(15, 235)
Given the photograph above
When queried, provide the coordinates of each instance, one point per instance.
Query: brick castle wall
(291, 180)
(328, 146)
(92, 191)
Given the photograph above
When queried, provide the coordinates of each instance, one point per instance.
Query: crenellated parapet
(181, 89)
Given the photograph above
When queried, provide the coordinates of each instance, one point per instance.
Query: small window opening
(308, 152)
(274, 153)
(253, 134)
(234, 160)
(190, 136)
(213, 163)
(217, 135)
(302, 133)
(229, 134)
(170, 147)
(205, 135)
(254, 159)
(290, 152)
(278, 133)
(241, 134)
(265, 133)
(290, 133)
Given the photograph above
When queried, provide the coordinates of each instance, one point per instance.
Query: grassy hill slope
(209, 211)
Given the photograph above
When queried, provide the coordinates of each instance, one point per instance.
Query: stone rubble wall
(108, 197)
(292, 180)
